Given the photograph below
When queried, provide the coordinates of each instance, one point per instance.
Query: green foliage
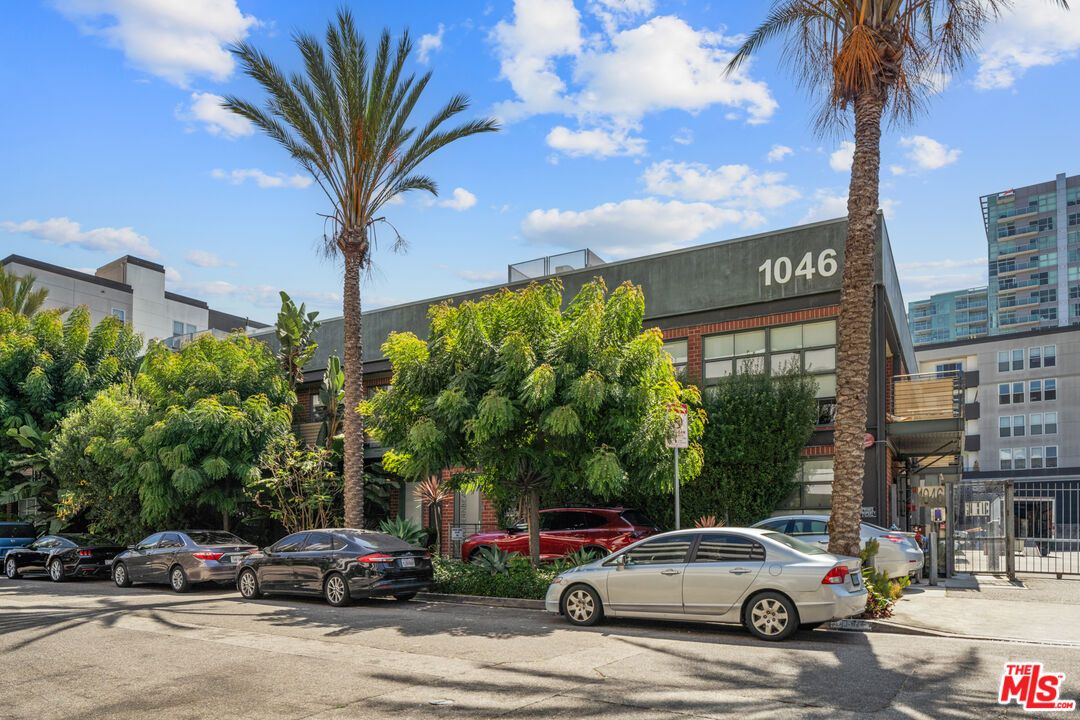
(880, 593)
(49, 367)
(521, 579)
(332, 397)
(536, 398)
(492, 560)
(405, 529)
(18, 294)
(298, 485)
(294, 329)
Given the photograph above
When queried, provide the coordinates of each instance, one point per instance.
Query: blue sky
(620, 134)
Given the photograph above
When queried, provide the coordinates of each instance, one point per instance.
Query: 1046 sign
(782, 269)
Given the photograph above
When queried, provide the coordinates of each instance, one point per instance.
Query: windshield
(214, 537)
(638, 518)
(375, 541)
(18, 530)
(795, 543)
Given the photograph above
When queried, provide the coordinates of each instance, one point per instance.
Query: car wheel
(11, 569)
(404, 597)
(249, 585)
(336, 590)
(56, 571)
(178, 579)
(581, 605)
(120, 576)
(770, 616)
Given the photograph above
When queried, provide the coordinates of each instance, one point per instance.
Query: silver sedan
(181, 558)
(767, 581)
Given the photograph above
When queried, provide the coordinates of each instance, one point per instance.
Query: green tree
(532, 398)
(18, 294)
(346, 121)
(874, 58)
(331, 395)
(50, 367)
(299, 486)
(295, 328)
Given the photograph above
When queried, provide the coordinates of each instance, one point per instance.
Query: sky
(620, 133)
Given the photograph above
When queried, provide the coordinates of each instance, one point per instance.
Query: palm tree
(18, 294)
(877, 57)
(346, 122)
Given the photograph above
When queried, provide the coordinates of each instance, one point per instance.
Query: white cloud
(263, 180)
(630, 227)
(262, 296)
(172, 275)
(172, 40)
(206, 108)
(778, 153)
(1035, 33)
(923, 265)
(897, 169)
(840, 161)
(62, 231)
(204, 259)
(727, 183)
(829, 205)
(482, 276)
(927, 153)
(613, 13)
(430, 43)
(597, 142)
(921, 279)
(460, 199)
(685, 136)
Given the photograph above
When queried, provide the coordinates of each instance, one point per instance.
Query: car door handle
(738, 571)
(669, 571)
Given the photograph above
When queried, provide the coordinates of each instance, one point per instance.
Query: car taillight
(207, 555)
(893, 538)
(836, 576)
(85, 553)
(375, 558)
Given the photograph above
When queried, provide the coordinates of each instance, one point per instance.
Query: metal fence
(1016, 526)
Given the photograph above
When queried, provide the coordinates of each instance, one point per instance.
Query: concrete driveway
(91, 650)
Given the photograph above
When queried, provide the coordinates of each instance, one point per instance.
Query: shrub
(520, 580)
(492, 560)
(404, 529)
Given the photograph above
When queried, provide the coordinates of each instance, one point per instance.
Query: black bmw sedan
(62, 556)
(339, 565)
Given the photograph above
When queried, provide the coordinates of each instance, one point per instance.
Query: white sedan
(769, 582)
(898, 552)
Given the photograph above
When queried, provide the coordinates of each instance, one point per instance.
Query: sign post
(678, 437)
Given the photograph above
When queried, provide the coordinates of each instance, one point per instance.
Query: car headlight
(558, 580)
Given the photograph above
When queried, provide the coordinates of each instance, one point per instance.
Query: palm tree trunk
(534, 524)
(856, 312)
(354, 392)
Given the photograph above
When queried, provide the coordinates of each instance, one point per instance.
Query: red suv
(566, 530)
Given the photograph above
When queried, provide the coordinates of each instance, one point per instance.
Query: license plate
(408, 562)
(855, 579)
(108, 561)
(235, 559)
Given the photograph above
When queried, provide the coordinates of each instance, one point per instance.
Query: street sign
(868, 441)
(930, 497)
(977, 508)
(457, 534)
(679, 435)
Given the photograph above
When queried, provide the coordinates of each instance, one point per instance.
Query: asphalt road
(91, 650)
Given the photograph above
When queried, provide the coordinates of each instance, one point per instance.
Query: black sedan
(339, 565)
(62, 556)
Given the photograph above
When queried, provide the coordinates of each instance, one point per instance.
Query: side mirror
(266, 551)
(620, 562)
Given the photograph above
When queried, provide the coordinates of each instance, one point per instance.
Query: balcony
(553, 265)
(1025, 321)
(1014, 285)
(972, 319)
(1016, 268)
(926, 418)
(1017, 233)
(1018, 212)
(1014, 303)
(1018, 250)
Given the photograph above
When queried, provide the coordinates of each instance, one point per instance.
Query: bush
(521, 579)
(404, 529)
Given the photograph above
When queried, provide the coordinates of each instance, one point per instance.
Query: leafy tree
(299, 486)
(346, 121)
(18, 294)
(294, 329)
(532, 397)
(876, 58)
(331, 395)
(50, 367)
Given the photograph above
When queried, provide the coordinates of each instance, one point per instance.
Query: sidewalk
(1033, 609)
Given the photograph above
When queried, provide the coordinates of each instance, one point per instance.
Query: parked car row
(339, 564)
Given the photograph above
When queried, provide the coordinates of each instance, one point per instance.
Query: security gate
(1016, 526)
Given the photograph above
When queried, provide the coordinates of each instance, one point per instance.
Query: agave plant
(431, 494)
(404, 529)
(708, 521)
(584, 556)
(493, 560)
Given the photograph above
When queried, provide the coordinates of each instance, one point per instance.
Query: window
(1036, 423)
(806, 526)
(1004, 395)
(1018, 426)
(1050, 428)
(1034, 357)
(118, 314)
(1019, 458)
(1051, 456)
(815, 486)
(1005, 459)
(777, 524)
(1050, 390)
(1005, 426)
(677, 351)
(1036, 458)
(1003, 361)
(177, 328)
(662, 551)
(214, 537)
(189, 329)
(292, 543)
(171, 540)
(1049, 355)
(808, 346)
(149, 542)
(587, 521)
(318, 542)
(717, 547)
(948, 369)
(1018, 392)
(1018, 359)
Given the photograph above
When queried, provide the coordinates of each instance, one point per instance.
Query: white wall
(69, 292)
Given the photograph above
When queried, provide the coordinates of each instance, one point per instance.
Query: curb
(894, 628)
(516, 603)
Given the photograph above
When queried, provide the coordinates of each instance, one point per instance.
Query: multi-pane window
(1005, 458)
(1050, 426)
(118, 314)
(1010, 393)
(1074, 218)
(1049, 353)
(809, 346)
(1036, 423)
(1034, 357)
(1036, 458)
(948, 369)
(1043, 390)
(177, 327)
(1011, 426)
(677, 351)
(1019, 458)
(1003, 361)
(814, 491)
(1050, 453)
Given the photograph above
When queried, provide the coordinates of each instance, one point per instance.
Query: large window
(1010, 393)
(1041, 390)
(1008, 361)
(1011, 426)
(815, 478)
(678, 352)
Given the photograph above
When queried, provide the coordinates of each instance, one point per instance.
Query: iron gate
(1016, 526)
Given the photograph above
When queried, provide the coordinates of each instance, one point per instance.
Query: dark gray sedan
(182, 558)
